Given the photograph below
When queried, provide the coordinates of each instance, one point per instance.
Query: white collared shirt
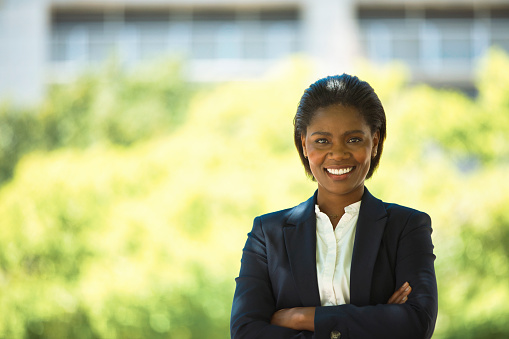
(334, 248)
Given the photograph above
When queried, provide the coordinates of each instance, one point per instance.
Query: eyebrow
(346, 133)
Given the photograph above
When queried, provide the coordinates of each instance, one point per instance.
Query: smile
(339, 171)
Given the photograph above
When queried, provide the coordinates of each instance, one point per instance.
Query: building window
(85, 37)
(432, 41)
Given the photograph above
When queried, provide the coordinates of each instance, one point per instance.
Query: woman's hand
(297, 318)
(401, 295)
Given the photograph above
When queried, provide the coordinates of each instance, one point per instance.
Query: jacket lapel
(368, 236)
(300, 242)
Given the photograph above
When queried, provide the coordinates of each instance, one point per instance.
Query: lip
(341, 176)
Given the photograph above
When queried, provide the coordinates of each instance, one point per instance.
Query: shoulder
(377, 209)
(269, 226)
(405, 220)
(292, 216)
(275, 217)
(398, 211)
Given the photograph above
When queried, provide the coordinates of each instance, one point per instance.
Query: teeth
(339, 171)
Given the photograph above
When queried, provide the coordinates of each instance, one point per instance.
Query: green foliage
(111, 107)
(140, 236)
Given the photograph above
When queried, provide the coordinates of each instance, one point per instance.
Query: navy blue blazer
(278, 270)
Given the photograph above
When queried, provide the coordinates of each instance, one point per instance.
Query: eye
(321, 141)
(354, 140)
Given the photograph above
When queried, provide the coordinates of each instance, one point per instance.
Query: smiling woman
(343, 263)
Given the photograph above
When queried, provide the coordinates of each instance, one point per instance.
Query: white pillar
(331, 34)
(24, 32)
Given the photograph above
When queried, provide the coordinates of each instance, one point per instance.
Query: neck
(334, 204)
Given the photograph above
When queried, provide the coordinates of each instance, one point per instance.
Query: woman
(339, 265)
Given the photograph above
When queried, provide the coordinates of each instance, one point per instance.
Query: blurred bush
(113, 106)
(140, 236)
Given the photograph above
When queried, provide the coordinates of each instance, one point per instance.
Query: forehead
(338, 117)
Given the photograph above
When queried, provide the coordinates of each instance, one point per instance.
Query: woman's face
(339, 146)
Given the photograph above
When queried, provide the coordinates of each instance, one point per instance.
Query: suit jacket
(278, 270)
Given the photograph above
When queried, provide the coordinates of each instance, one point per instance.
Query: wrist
(305, 318)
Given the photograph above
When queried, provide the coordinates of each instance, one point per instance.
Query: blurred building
(47, 41)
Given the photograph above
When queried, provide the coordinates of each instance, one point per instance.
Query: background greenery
(126, 197)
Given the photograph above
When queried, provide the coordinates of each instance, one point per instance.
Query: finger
(405, 296)
(402, 297)
(403, 291)
(398, 292)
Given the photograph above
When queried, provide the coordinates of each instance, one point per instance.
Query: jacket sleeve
(253, 302)
(414, 319)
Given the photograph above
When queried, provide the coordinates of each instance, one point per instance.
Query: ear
(304, 150)
(376, 140)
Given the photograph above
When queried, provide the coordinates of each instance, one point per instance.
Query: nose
(338, 152)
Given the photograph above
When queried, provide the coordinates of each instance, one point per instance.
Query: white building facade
(47, 41)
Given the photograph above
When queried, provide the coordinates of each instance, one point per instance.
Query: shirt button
(335, 335)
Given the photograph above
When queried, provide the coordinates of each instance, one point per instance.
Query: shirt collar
(352, 209)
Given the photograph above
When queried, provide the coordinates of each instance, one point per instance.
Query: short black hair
(346, 90)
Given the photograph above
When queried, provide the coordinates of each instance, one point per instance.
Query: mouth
(339, 171)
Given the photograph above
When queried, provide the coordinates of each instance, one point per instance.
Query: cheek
(315, 160)
(365, 159)
(315, 155)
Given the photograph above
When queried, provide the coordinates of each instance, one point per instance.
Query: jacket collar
(300, 242)
(368, 237)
